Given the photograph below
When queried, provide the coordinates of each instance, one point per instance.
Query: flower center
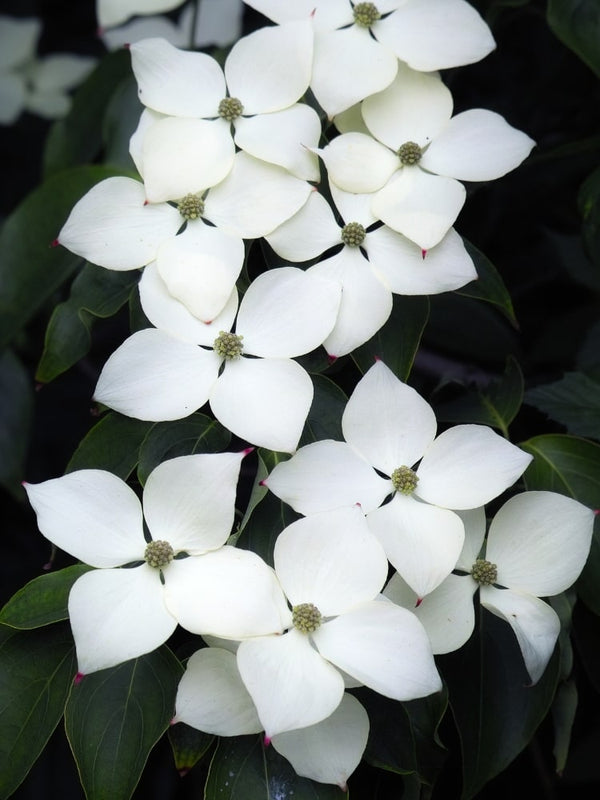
(306, 617)
(365, 14)
(191, 206)
(158, 554)
(353, 234)
(410, 154)
(228, 345)
(230, 108)
(404, 480)
(484, 572)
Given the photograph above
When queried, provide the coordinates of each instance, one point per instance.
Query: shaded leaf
(265, 524)
(324, 419)
(96, 293)
(36, 674)
(589, 207)
(489, 286)
(243, 769)
(188, 745)
(577, 24)
(588, 583)
(16, 391)
(574, 401)
(112, 444)
(257, 493)
(114, 718)
(563, 717)
(43, 600)
(119, 123)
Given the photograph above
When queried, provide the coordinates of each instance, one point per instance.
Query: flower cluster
(331, 136)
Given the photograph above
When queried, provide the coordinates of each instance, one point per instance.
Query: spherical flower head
(230, 108)
(409, 154)
(484, 572)
(353, 234)
(404, 480)
(306, 617)
(365, 14)
(228, 345)
(191, 206)
(158, 554)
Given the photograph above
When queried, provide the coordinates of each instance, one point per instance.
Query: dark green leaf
(36, 674)
(495, 708)
(243, 769)
(257, 494)
(489, 285)
(114, 718)
(396, 344)
(183, 437)
(495, 405)
(563, 717)
(96, 292)
(589, 206)
(31, 269)
(112, 444)
(188, 745)
(574, 401)
(16, 391)
(43, 600)
(120, 121)
(577, 24)
(588, 583)
(324, 419)
(265, 524)
(77, 138)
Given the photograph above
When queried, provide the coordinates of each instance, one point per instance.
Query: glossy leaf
(265, 524)
(396, 344)
(195, 434)
(577, 24)
(16, 391)
(489, 285)
(243, 769)
(563, 717)
(574, 401)
(114, 718)
(188, 745)
(589, 207)
(324, 419)
(43, 600)
(77, 138)
(95, 293)
(31, 269)
(495, 708)
(112, 444)
(36, 674)
(119, 122)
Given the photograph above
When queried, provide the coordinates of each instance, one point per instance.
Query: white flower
(284, 313)
(38, 85)
(140, 590)
(357, 45)
(536, 547)
(332, 569)
(420, 153)
(388, 428)
(212, 698)
(114, 12)
(374, 262)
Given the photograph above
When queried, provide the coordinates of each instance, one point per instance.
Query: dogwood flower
(332, 569)
(537, 545)
(212, 698)
(164, 374)
(388, 428)
(373, 262)
(185, 574)
(418, 153)
(357, 45)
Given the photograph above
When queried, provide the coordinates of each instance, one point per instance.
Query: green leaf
(495, 405)
(489, 286)
(589, 207)
(564, 709)
(495, 708)
(114, 718)
(574, 401)
(265, 524)
(577, 24)
(195, 434)
(77, 138)
(43, 600)
(16, 410)
(96, 293)
(112, 444)
(324, 419)
(396, 344)
(188, 746)
(243, 769)
(588, 583)
(120, 121)
(31, 269)
(36, 674)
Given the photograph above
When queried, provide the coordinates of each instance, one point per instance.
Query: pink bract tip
(47, 566)
(127, 45)
(263, 482)
(78, 678)
(312, 13)
(38, 385)
(183, 772)
(597, 511)
(267, 740)
(377, 358)
(248, 450)
(419, 601)
(54, 243)
(423, 253)
(332, 359)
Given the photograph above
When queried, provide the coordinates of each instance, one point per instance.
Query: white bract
(388, 428)
(140, 590)
(114, 12)
(212, 698)
(374, 262)
(418, 153)
(537, 545)
(164, 374)
(357, 45)
(332, 569)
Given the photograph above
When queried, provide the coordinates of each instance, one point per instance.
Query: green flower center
(158, 554)
(353, 234)
(306, 617)
(404, 480)
(484, 572)
(410, 154)
(228, 345)
(191, 206)
(365, 14)
(230, 108)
